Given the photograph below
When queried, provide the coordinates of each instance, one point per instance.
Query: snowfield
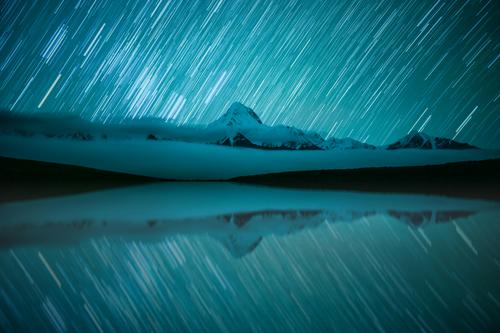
(196, 161)
(236, 144)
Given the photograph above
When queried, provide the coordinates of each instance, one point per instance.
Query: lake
(226, 257)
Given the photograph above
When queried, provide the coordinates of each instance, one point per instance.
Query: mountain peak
(239, 115)
(417, 134)
(420, 140)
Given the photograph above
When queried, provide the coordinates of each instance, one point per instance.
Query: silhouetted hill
(23, 179)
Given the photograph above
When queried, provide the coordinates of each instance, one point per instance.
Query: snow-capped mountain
(239, 126)
(421, 140)
(238, 116)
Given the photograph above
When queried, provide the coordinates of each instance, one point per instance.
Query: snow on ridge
(420, 140)
(345, 143)
(239, 126)
(238, 115)
(179, 160)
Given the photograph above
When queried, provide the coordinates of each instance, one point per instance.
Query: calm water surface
(222, 257)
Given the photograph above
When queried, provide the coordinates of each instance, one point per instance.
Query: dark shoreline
(25, 179)
(475, 179)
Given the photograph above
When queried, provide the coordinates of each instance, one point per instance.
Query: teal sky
(371, 70)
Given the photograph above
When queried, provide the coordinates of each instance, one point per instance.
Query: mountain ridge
(239, 126)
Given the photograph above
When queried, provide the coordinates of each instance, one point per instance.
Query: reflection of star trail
(363, 69)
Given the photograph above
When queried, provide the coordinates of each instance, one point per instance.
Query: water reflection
(231, 257)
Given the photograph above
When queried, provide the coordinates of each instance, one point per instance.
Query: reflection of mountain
(239, 216)
(429, 216)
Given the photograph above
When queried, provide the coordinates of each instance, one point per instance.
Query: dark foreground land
(24, 179)
(476, 179)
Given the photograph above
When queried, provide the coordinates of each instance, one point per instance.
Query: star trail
(370, 70)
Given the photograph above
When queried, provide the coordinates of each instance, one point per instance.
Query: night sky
(371, 70)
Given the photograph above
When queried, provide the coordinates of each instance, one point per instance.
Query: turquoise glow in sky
(371, 70)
